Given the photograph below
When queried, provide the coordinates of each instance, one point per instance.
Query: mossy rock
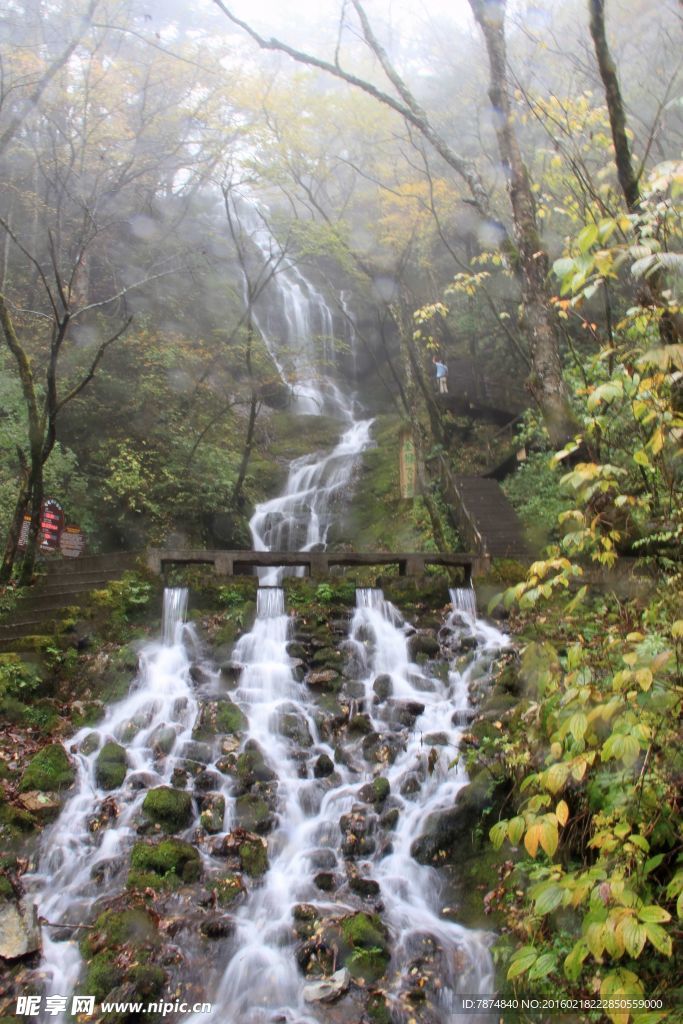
(148, 980)
(213, 812)
(251, 767)
(90, 743)
(164, 865)
(111, 766)
(254, 857)
(118, 927)
(169, 808)
(367, 939)
(102, 975)
(216, 717)
(50, 770)
(253, 813)
(227, 889)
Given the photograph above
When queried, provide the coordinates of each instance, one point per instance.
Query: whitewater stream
(342, 817)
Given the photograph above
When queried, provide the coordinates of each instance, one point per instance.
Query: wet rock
(328, 989)
(374, 792)
(106, 815)
(19, 931)
(327, 657)
(179, 778)
(199, 675)
(410, 784)
(325, 881)
(389, 819)
(306, 920)
(323, 858)
(383, 687)
(323, 767)
(250, 849)
(365, 887)
(111, 766)
(250, 768)
(405, 712)
(164, 865)
(169, 808)
(462, 717)
(360, 725)
(49, 771)
(90, 743)
(253, 813)
(450, 832)
(218, 926)
(436, 739)
(230, 673)
(354, 690)
(367, 941)
(163, 739)
(296, 651)
(381, 748)
(357, 828)
(212, 812)
(228, 890)
(423, 642)
(195, 751)
(216, 717)
(206, 779)
(45, 806)
(293, 725)
(324, 679)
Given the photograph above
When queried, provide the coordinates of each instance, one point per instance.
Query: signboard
(72, 542)
(407, 466)
(51, 524)
(23, 533)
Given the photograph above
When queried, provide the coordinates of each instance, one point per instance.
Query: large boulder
(450, 833)
(19, 930)
(49, 770)
(111, 766)
(169, 808)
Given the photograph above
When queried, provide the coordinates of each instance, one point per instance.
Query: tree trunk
(12, 543)
(546, 382)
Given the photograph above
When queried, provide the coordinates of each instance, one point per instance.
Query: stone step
(74, 582)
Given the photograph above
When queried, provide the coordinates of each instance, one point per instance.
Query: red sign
(72, 541)
(51, 524)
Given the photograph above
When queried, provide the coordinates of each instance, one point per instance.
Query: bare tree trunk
(12, 542)
(650, 290)
(546, 380)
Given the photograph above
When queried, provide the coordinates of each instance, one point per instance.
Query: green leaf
(574, 960)
(578, 724)
(587, 237)
(653, 914)
(635, 937)
(543, 966)
(498, 833)
(516, 828)
(563, 267)
(659, 938)
(522, 961)
(641, 458)
(549, 899)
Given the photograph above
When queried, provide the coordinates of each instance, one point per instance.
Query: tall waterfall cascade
(338, 821)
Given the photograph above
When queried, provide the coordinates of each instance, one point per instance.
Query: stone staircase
(493, 517)
(67, 583)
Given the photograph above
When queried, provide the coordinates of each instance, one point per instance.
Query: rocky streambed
(259, 823)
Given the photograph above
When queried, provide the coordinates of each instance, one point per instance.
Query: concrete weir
(317, 563)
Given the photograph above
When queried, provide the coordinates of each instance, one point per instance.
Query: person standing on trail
(441, 376)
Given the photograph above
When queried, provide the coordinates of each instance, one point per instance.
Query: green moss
(254, 857)
(369, 964)
(50, 770)
(163, 865)
(169, 808)
(110, 766)
(382, 788)
(229, 718)
(101, 976)
(227, 889)
(378, 1010)
(6, 890)
(149, 980)
(252, 812)
(116, 928)
(364, 931)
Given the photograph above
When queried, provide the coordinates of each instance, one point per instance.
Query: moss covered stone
(164, 865)
(169, 808)
(111, 766)
(367, 940)
(218, 717)
(253, 813)
(116, 928)
(50, 770)
(227, 889)
(254, 857)
(102, 975)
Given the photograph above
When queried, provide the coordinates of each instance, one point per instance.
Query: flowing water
(78, 856)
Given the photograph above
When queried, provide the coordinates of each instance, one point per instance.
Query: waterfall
(76, 857)
(464, 600)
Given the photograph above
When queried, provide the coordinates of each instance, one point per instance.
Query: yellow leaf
(562, 812)
(532, 839)
(549, 837)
